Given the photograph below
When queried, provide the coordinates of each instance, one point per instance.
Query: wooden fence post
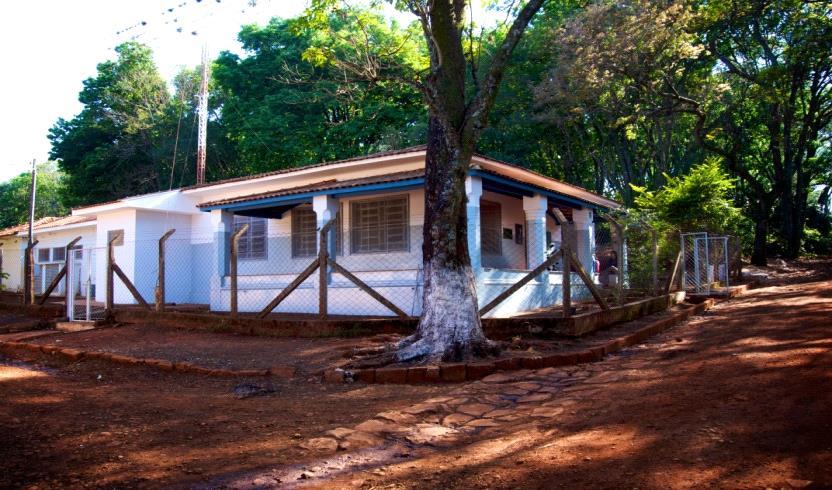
(566, 252)
(323, 271)
(655, 260)
(108, 305)
(232, 267)
(618, 244)
(160, 280)
(29, 274)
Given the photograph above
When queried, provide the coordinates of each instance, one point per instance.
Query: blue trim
(306, 197)
(525, 189)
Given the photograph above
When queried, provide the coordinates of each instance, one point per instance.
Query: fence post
(67, 260)
(29, 274)
(160, 280)
(655, 260)
(232, 266)
(618, 244)
(323, 271)
(110, 285)
(566, 252)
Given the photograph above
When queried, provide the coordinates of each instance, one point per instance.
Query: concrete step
(74, 326)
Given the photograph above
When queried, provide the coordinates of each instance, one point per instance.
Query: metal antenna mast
(202, 112)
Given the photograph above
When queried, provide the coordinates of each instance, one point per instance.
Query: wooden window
(304, 232)
(253, 243)
(43, 255)
(491, 228)
(379, 225)
(58, 254)
(112, 233)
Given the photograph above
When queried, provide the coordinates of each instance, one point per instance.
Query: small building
(52, 234)
(378, 204)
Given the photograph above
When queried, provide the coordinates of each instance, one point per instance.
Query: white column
(535, 209)
(326, 207)
(222, 223)
(473, 191)
(584, 237)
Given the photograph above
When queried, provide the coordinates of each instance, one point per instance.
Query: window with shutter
(379, 225)
(253, 244)
(43, 255)
(491, 228)
(304, 232)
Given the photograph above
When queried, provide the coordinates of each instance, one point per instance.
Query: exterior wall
(150, 226)
(60, 238)
(394, 275)
(125, 255)
(545, 292)
(13, 249)
(511, 213)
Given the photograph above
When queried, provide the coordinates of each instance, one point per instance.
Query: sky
(50, 46)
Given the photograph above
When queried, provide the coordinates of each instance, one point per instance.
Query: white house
(378, 203)
(52, 234)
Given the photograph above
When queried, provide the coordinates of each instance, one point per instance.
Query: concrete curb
(454, 373)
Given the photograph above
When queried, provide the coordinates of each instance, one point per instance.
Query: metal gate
(705, 262)
(82, 286)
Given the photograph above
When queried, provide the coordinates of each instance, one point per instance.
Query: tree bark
(758, 254)
(449, 328)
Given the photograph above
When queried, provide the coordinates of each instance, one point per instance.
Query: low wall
(495, 328)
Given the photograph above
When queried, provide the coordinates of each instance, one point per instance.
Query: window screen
(252, 245)
(58, 254)
(112, 233)
(491, 228)
(304, 234)
(43, 255)
(380, 225)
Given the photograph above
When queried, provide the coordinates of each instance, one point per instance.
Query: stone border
(458, 372)
(74, 355)
(444, 373)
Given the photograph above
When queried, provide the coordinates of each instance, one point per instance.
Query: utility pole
(202, 112)
(32, 191)
(28, 260)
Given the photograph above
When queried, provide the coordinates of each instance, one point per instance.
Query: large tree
(459, 84)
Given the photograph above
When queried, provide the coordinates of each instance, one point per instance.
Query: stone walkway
(487, 407)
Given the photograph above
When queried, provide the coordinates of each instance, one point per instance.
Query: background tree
(14, 194)
(281, 107)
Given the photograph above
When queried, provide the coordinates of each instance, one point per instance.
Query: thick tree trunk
(449, 328)
(758, 255)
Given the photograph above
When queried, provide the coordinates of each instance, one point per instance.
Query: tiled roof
(381, 154)
(46, 223)
(324, 185)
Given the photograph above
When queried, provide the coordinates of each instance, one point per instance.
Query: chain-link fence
(253, 268)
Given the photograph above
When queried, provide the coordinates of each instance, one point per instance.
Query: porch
(376, 236)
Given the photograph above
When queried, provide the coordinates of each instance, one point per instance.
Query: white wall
(122, 219)
(514, 254)
(13, 250)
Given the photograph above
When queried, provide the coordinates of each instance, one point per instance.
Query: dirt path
(741, 397)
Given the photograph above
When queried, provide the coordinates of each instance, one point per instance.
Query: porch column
(473, 191)
(584, 237)
(535, 209)
(222, 223)
(326, 207)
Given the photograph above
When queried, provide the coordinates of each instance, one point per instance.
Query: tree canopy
(602, 94)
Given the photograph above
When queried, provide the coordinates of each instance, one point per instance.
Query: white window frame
(299, 243)
(355, 246)
(244, 251)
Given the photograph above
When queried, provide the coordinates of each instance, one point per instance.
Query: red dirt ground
(740, 397)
